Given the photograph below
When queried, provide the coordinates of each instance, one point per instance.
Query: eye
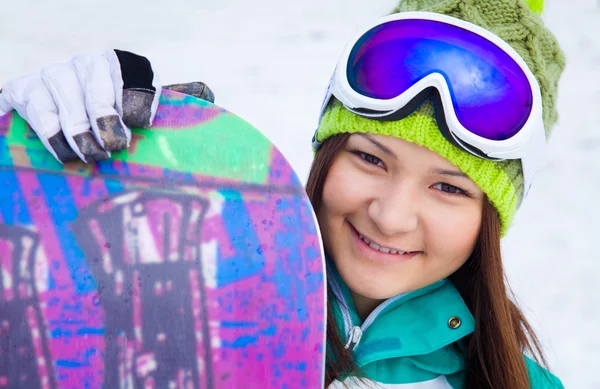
(451, 189)
(368, 158)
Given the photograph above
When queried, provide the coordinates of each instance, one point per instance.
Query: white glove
(82, 109)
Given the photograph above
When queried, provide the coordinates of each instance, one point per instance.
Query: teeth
(375, 246)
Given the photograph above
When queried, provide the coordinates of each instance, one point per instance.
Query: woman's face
(396, 217)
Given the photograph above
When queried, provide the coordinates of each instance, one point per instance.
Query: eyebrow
(386, 150)
(383, 148)
(445, 172)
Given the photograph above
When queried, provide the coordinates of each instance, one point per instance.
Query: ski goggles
(487, 101)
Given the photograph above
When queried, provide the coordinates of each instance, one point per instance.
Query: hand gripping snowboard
(190, 261)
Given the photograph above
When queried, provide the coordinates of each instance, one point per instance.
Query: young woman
(427, 143)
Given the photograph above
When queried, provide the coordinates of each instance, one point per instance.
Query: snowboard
(192, 260)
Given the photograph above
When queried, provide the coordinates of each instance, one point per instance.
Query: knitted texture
(514, 22)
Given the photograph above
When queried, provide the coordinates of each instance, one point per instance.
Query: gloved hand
(84, 108)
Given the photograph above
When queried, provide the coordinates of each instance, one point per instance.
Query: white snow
(269, 61)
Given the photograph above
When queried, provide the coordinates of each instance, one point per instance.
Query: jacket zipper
(348, 324)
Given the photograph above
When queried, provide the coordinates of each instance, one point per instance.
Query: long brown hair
(494, 353)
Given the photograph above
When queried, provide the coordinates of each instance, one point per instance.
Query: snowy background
(269, 61)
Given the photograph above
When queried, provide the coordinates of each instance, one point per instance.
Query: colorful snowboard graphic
(191, 260)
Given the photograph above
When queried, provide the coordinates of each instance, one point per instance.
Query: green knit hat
(517, 23)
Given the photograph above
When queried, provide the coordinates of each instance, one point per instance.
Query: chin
(374, 289)
(378, 294)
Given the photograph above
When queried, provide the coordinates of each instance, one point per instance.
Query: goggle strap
(399, 114)
(534, 159)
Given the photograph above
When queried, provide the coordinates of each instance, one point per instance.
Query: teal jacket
(412, 341)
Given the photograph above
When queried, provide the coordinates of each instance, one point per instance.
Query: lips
(383, 249)
(378, 252)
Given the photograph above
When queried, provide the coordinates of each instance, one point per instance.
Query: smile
(375, 246)
(378, 252)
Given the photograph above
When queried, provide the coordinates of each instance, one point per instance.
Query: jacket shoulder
(540, 377)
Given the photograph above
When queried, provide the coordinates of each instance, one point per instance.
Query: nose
(395, 210)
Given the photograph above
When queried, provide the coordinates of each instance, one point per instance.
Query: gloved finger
(93, 73)
(196, 89)
(61, 81)
(4, 106)
(137, 87)
(32, 101)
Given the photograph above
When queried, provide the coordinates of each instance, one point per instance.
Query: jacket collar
(413, 324)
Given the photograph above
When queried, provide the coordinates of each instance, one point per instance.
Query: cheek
(332, 206)
(342, 198)
(341, 194)
(452, 233)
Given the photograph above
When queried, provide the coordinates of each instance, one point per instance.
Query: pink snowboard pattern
(132, 278)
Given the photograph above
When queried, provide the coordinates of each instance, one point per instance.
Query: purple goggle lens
(490, 92)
